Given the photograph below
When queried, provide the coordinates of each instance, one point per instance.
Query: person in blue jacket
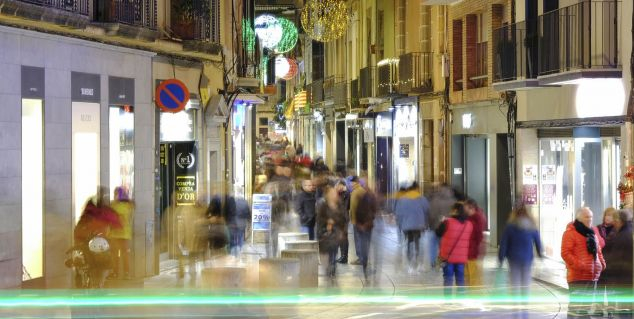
(411, 209)
(518, 239)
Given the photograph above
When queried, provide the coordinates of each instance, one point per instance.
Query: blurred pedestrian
(193, 232)
(477, 246)
(305, 208)
(606, 227)
(356, 196)
(362, 212)
(344, 197)
(441, 201)
(516, 245)
(218, 236)
(330, 208)
(329, 238)
(581, 251)
(238, 217)
(120, 237)
(455, 233)
(280, 186)
(411, 209)
(617, 276)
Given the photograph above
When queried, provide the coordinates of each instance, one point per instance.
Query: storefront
(79, 120)
(384, 145)
(405, 149)
(570, 153)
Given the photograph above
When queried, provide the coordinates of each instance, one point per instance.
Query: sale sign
(261, 210)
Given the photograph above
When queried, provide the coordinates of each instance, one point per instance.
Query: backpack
(366, 211)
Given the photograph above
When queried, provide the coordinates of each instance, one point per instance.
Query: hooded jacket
(618, 257)
(305, 208)
(411, 209)
(454, 243)
(517, 242)
(581, 265)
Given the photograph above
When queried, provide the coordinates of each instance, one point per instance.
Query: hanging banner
(185, 173)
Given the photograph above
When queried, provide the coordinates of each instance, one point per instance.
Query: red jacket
(456, 231)
(581, 265)
(476, 246)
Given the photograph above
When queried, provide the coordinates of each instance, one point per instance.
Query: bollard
(227, 277)
(283, 238)
(279, 273)
(308, 265)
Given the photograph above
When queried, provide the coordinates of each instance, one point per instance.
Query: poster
(549, 174)
(530, 194)
(185, 173)
(529, 175)
(261, 210)
(548, 194)
(404, 151)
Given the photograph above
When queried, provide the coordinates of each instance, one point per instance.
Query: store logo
(185, 160)
(87, 91)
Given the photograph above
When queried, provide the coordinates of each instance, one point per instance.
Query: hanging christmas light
(282, 66)
(325, 20)
(289, 36)
(292, 70)
(269, 30)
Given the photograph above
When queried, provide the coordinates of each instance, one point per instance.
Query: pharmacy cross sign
(172, 96)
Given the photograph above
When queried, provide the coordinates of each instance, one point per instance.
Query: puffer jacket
(411, 209)
(454, 230)
(581, 265)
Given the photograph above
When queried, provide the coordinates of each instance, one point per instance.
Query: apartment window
(477, 46)
(380, 28)
(215, 21)
(424, 31)
(400, 27)
(457, 55)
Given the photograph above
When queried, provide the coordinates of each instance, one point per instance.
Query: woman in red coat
(454, 233)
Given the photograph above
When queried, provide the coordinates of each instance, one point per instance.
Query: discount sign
(261, 211)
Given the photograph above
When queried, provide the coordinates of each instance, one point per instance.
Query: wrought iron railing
(340, 93)
(513, 53)
(140, 13)
(354, 93)
(387, 71)
(81, 7)
(581, 36)
(317, 91)
(367, 82)
(191, 19)
(415, 72)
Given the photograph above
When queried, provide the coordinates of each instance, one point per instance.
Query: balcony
(354, 94)
(191, 19)
(580, 41)
(415, 73)
(330, 83)
(340, 94)
(514, 58)
(367, 82)
(387, 71)
(316, 92)
(73, 13)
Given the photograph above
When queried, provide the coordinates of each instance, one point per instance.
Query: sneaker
(343, 260)
(356, 262)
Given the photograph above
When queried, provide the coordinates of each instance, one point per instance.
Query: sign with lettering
(404, 151)
(85, 87)
(120, 91)
(32, 82)
(185, 169)
(171, 96)
(261, 210)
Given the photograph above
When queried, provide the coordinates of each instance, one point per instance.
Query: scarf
(588, 233)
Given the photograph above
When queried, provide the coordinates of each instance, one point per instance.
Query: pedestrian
(411, 209)
(238, 217)
(455, 233)
(605, 229)
(617, 277)
(441, 201)
(305, 208)
(120, 237)
(516, 245)
(362, 212)
(329, 238)
(344, 197)
(581, 251)
(330, 208)
(477, 246)
(280, 186)
(193, 232)
(218, 238)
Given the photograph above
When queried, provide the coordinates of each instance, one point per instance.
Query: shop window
(121, 122)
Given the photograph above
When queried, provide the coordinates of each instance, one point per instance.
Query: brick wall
(456, 51)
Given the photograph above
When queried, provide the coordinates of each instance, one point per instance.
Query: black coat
(618, 258)
(305, 208)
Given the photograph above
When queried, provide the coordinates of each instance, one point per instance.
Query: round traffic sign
(172, 96)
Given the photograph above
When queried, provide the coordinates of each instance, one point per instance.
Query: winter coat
(605, 231)
(124, 209)
(581, 265)
(477, 248)
(618, 258)
(517, 242)
(281, 188)
(454, 241)
(411, 209)
(329, 241)
(440, 203)
(356, 196)
(305, 208)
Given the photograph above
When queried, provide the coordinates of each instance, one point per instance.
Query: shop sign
(261, 209)
(185, 171)
(406, 122)
(120, 91)
(171, 96)
(32, 82)
(384, 125)
(85, 87)
(404, 151)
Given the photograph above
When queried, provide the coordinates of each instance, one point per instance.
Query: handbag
(441, 262)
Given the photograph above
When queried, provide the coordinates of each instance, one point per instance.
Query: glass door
(86, 155)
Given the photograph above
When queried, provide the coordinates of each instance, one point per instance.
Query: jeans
(451, 271)
(344, 244)
(413, 239)
(310, 230)
(433, 246)
(362, 242)
(332, 262)
(521, 276)
(236, 239)
(581, 298)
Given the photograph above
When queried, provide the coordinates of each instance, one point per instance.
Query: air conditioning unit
(248, 82)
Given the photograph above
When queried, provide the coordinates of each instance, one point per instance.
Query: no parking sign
(172, 96)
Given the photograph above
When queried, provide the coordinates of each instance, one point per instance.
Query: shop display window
(121, 122)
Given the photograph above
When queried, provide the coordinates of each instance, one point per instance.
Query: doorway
(470, 167)
(85, 155)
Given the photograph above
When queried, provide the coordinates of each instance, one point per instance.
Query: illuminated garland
(325, 20)
(248, 35)
(269, 29)
(289, 36)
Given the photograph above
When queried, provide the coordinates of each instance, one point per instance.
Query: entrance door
(85, 157)
(384, 165)
(504, 200)
(341, 144)
(476, 170)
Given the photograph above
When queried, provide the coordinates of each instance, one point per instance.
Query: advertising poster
(261, 210)
(185, 169)
(530, 194)
(548, 194)
(549, 174)
(529, 175)
(549, 187)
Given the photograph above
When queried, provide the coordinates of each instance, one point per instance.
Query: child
(329, 243)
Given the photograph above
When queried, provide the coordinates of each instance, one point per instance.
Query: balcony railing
(317, 91)
(329, 86)
(140, 13)
(81, 7)
(354, 93)
(191, 19)
(415, 72)
(580, 36)
(367, 82)
(387, 71)
(340, 93)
